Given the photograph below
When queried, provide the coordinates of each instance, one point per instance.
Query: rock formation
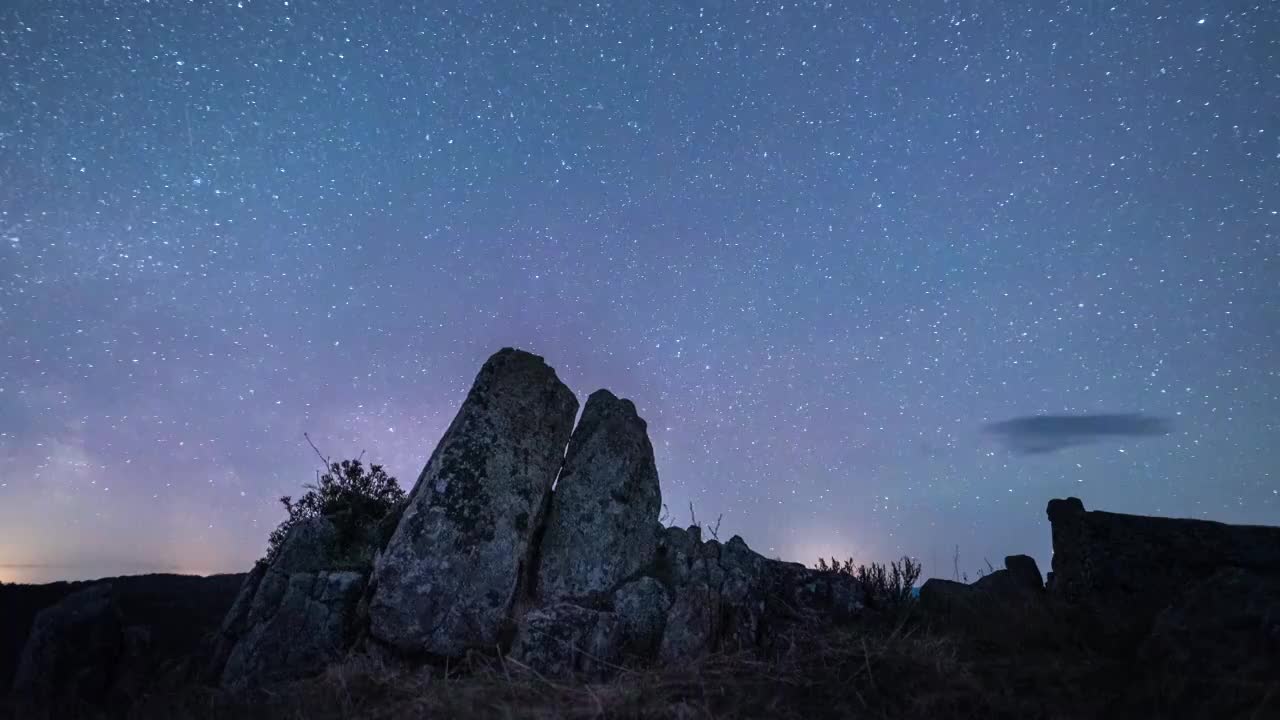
(293, 616)
(603, 522)
(990, 598)
(693, 599)
(1226, 626)
(449, 575)
(1131, 567)
(577, 578)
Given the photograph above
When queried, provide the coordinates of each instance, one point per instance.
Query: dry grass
(896, 671)
(1027, 665)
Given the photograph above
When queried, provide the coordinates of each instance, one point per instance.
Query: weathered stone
(691, 624)
(309, 547)
(234, 625)
(1218, 646)
(988, 599)
(1024, 572)
(292, 616)
(601, 526)
(747, 581)
(641, 608)
(730, 598)
(564, 639)
(674, 556)
(446, 580)
(295, 630)
(830, 596)
(1130, 567)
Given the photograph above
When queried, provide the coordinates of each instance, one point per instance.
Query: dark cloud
(1049, 433)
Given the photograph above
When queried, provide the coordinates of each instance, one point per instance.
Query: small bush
(356, 501)
(887, 587)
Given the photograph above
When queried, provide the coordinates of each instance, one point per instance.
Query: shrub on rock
(357, 501)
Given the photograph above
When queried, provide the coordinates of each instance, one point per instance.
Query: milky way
(820, 245)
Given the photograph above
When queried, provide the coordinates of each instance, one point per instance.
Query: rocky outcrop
(1198, 600)
(234, 624)
(694, 599)
(602, 527)
(293, 616)
(579, 580)
(1131, 567)
(991, 597)
(1227, 627)
(112, 641)
(575, 579)
(296, 630)
(615, 586)
(446, 581)
(690, 627)
(1024, 572)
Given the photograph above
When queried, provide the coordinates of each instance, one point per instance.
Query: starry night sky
(819, 244)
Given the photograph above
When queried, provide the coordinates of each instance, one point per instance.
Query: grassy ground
(1017, 663)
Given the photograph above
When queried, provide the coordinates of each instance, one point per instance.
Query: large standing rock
(447, 578)
(1130, 567)
(602, 526)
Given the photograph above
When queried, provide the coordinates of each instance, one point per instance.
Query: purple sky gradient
(819, 245)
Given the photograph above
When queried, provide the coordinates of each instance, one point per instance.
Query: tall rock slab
(1131, 567)
(1101, 553)
(446, 580)
(603, 522)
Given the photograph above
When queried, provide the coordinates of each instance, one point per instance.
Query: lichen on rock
(446, 581)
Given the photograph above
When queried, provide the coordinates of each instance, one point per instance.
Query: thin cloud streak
(1039, 434)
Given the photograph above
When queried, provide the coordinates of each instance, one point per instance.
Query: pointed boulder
(446, 581)
(603, 522)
